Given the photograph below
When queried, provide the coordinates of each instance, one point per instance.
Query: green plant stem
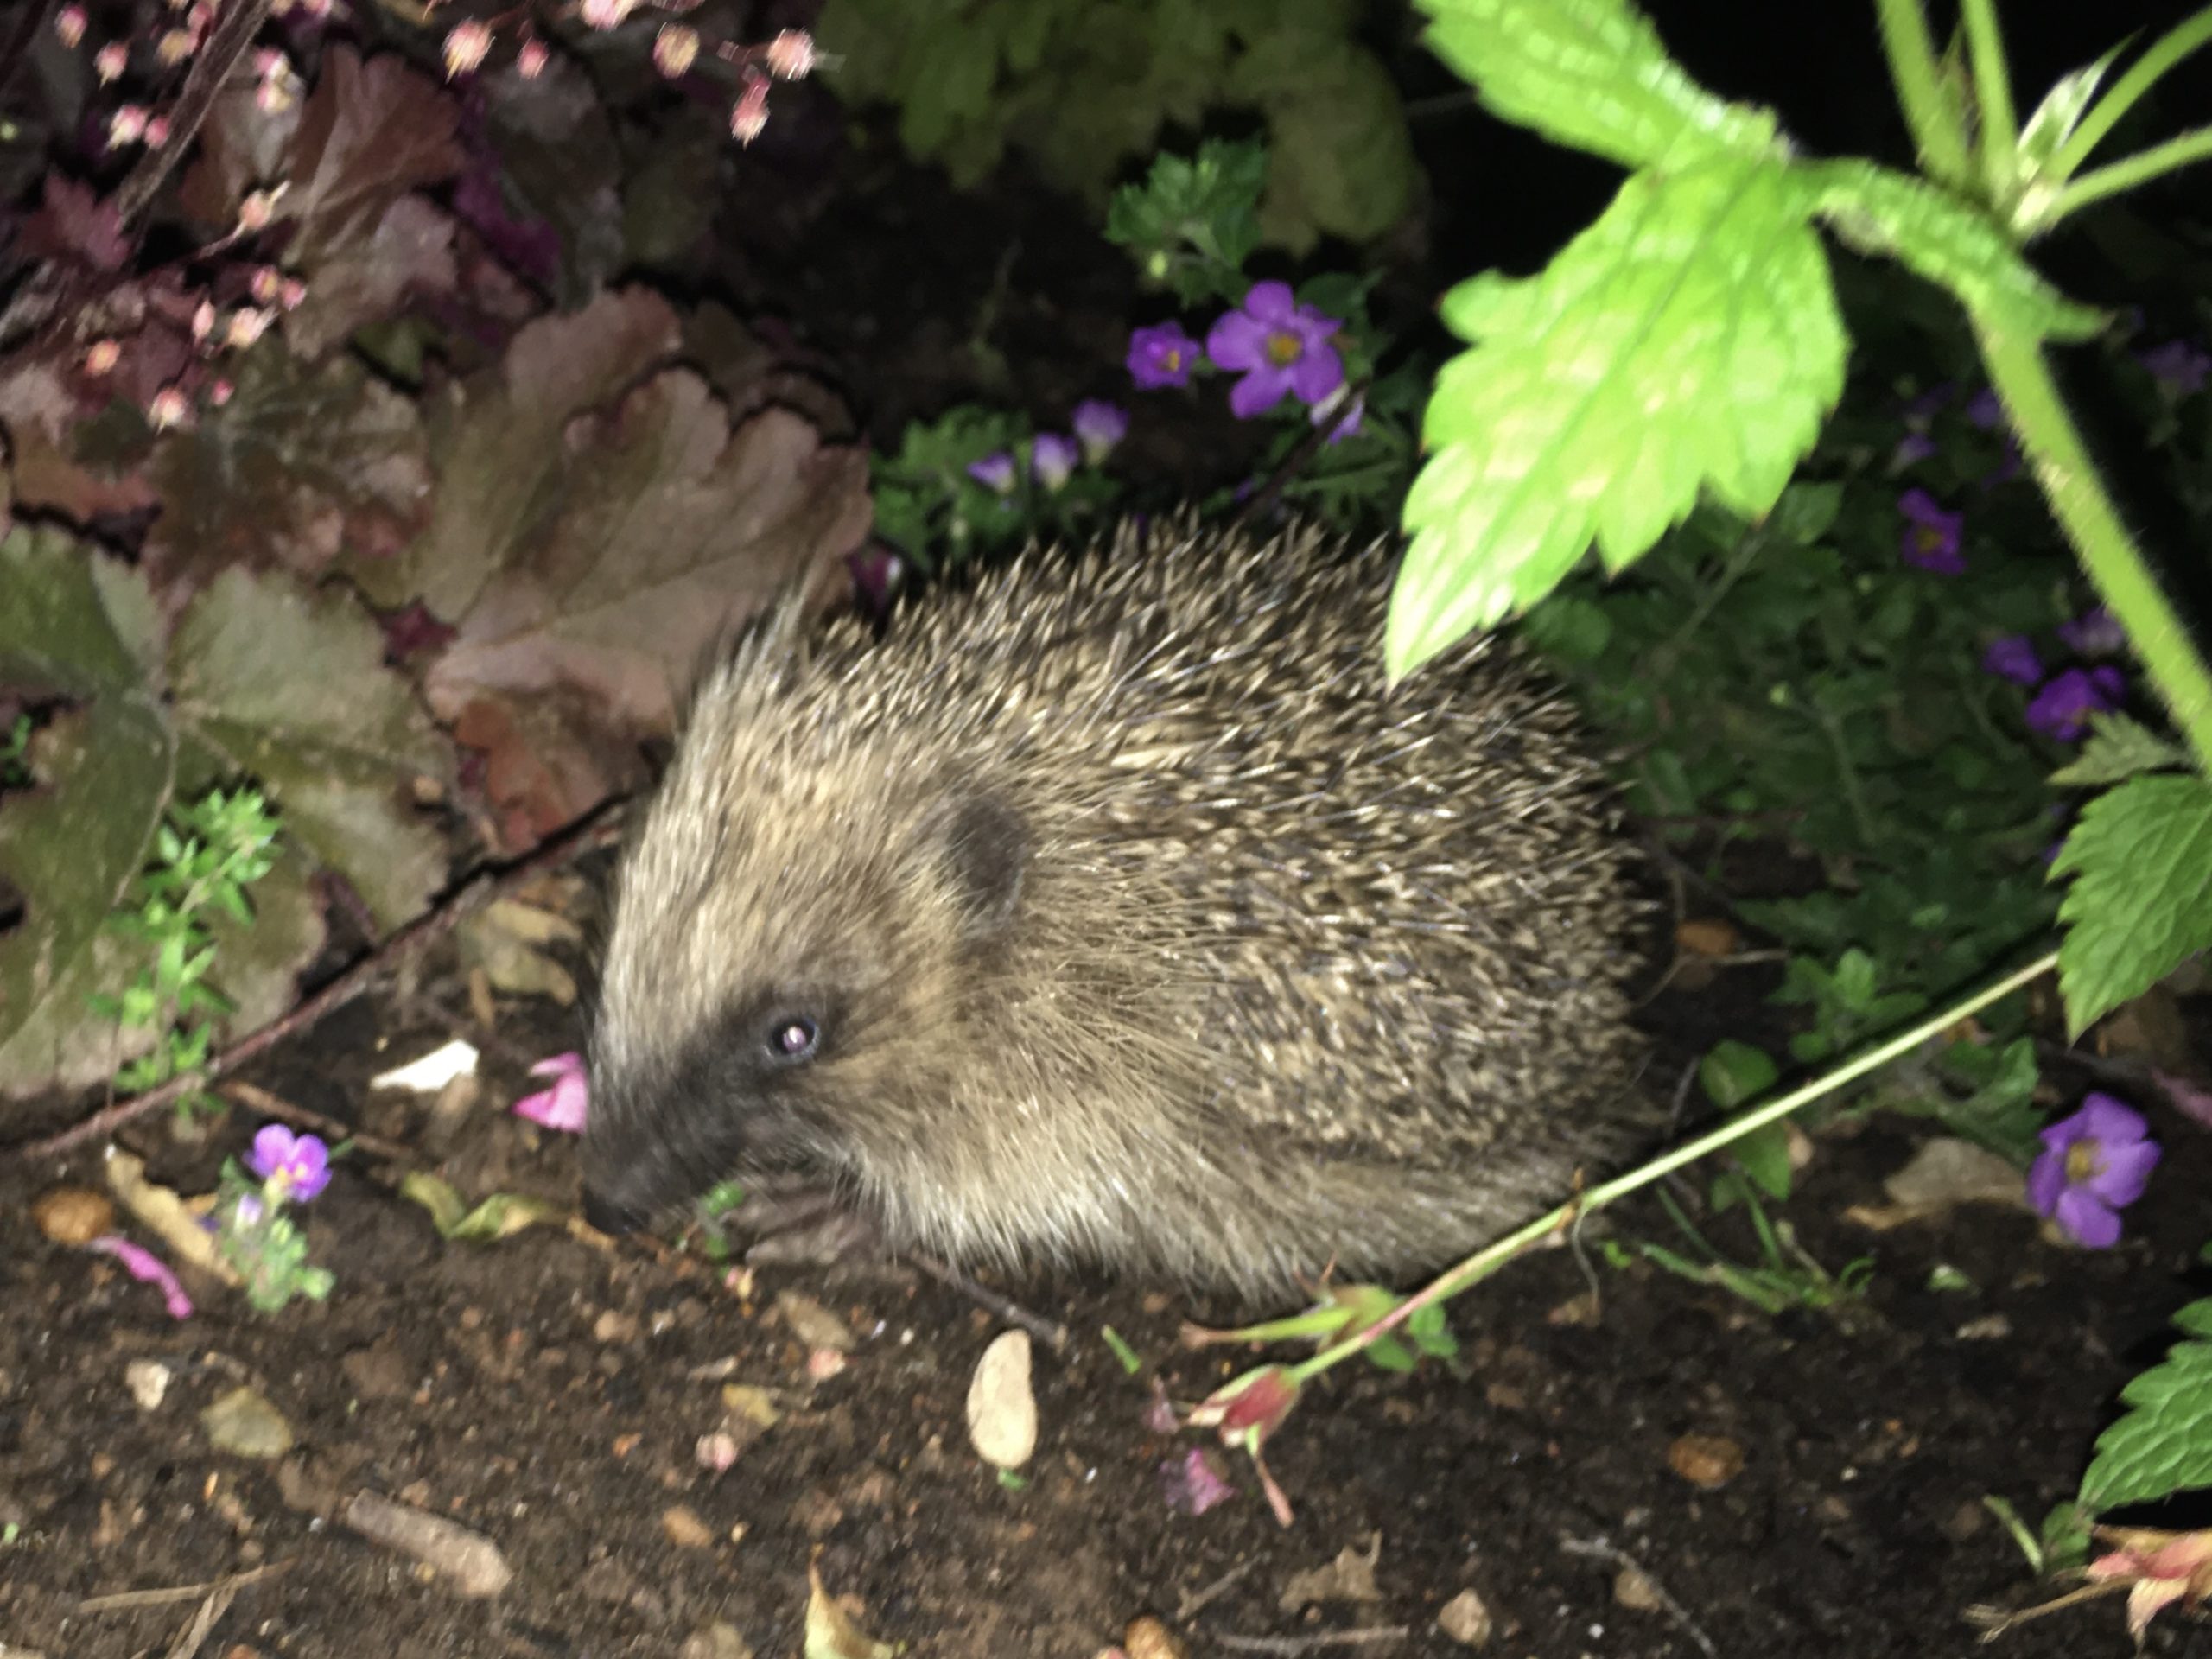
(2115, 567)
(1992, 92)
(1934, 119)
(2168, 50)
(2191, 147)
(1491, 1257)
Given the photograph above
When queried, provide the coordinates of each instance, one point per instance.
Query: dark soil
(548, 1392)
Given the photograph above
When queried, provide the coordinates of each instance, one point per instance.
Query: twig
(1197, 1603)
(601, 826)
(1307, 446)
(193, 1635)
(256, 1099)
(1604, 1550)
(1053, 1335)
(1319, 1639)
(130, 1601)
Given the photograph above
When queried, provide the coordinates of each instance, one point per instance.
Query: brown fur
(1141, 923)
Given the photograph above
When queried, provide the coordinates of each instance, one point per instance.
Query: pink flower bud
(465, 47)
(1248, 1408)
(110, 60)
(219, 393)
(245, 327)
(269, 63)
(266, 284)
(102, 358)
(127, 125)
(751, 114)
(292, 293)
(791, 54)
(69, 24)
(272, 98)
(168, 409)
(157, 131)
(203, 319)
(530, 62)
(605, 14)
(254, 211)
(674, 49)
(317, 9)
(173, 48)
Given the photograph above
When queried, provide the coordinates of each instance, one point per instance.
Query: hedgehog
(1116, 911)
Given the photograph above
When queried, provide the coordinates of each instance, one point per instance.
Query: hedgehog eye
(792, 1038)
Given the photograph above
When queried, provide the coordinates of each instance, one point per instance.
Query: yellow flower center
(2085, 1161)
(1284, 349)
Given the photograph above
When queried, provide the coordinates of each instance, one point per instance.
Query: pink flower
(562, 1107)
(143, 1265)
(675, 49)
(296, 1167)
(530, 62)
(465, 46)
(790, 55)
(69, 24)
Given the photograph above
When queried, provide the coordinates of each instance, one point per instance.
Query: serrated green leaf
(80, 625)
(1688, 339)
(289, 686)
(2119, 747)
(2163, 1444)
(1590, 73)
(1949, 244)
(2141, 900)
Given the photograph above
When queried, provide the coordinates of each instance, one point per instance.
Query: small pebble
(242, 1421)
(716, 1641)
(813, 1324)
(147, 1381)
(74, 1216)
(1705, 1460)
(1001, 1406)
(685, 1528)
(1633, 1589)
(1465, 1620)
(1148, 1638)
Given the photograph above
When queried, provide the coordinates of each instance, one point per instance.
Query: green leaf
(78, 625)
(1764, 1158)
(2119, 747)
(1689, 338)
(2045, 132)
(1953, 245)
(2141, 900)
(2163, 1444)
(289, 686)
(496, 1217)
(1590, 73)
(1735, 1072)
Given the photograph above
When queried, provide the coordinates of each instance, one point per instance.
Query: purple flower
(1161, 356)
(1984, 411)
(2060, 711)
(1917, 411)
(1278, 345)
(296, 1167)
(1931, 535)
(2094, 1164)
(2095, 633)
(143, 1265)
(1912, 448)
(248, 1211)
(565, 1105)
(2012, 658)
(1194, 1486)
(1051, 458)
(2180, 366)
(1099, 426)
(993, 472)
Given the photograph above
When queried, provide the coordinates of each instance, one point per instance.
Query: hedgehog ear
(984, 845)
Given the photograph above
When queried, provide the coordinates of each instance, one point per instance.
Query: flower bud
(465, 46)
(674, 49)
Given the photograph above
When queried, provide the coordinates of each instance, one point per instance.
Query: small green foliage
(2119, 748)
(2141, 901)
(494, 1218)
(1944, 1280)
(1847, 1003)
(2163, 1444)
(1194, 222)
(1082, 89)
(2060, 1546)
(1132, 1361)
(258, 1236)
(1735, 1073)
(205, 857)
(935, 511)
(1787, 1276)
(1985, 1092)
(15, 770)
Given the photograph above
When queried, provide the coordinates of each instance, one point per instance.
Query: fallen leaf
(831, 1633)
(504, 940)
(813, 1324)
(1350, 1577)
(1465, 1620)
(1943, 1173)
(244, 1423)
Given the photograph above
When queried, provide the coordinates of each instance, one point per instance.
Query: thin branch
(1316, 1642)
(600, 827)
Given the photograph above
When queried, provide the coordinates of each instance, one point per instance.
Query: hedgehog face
(789, 939)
